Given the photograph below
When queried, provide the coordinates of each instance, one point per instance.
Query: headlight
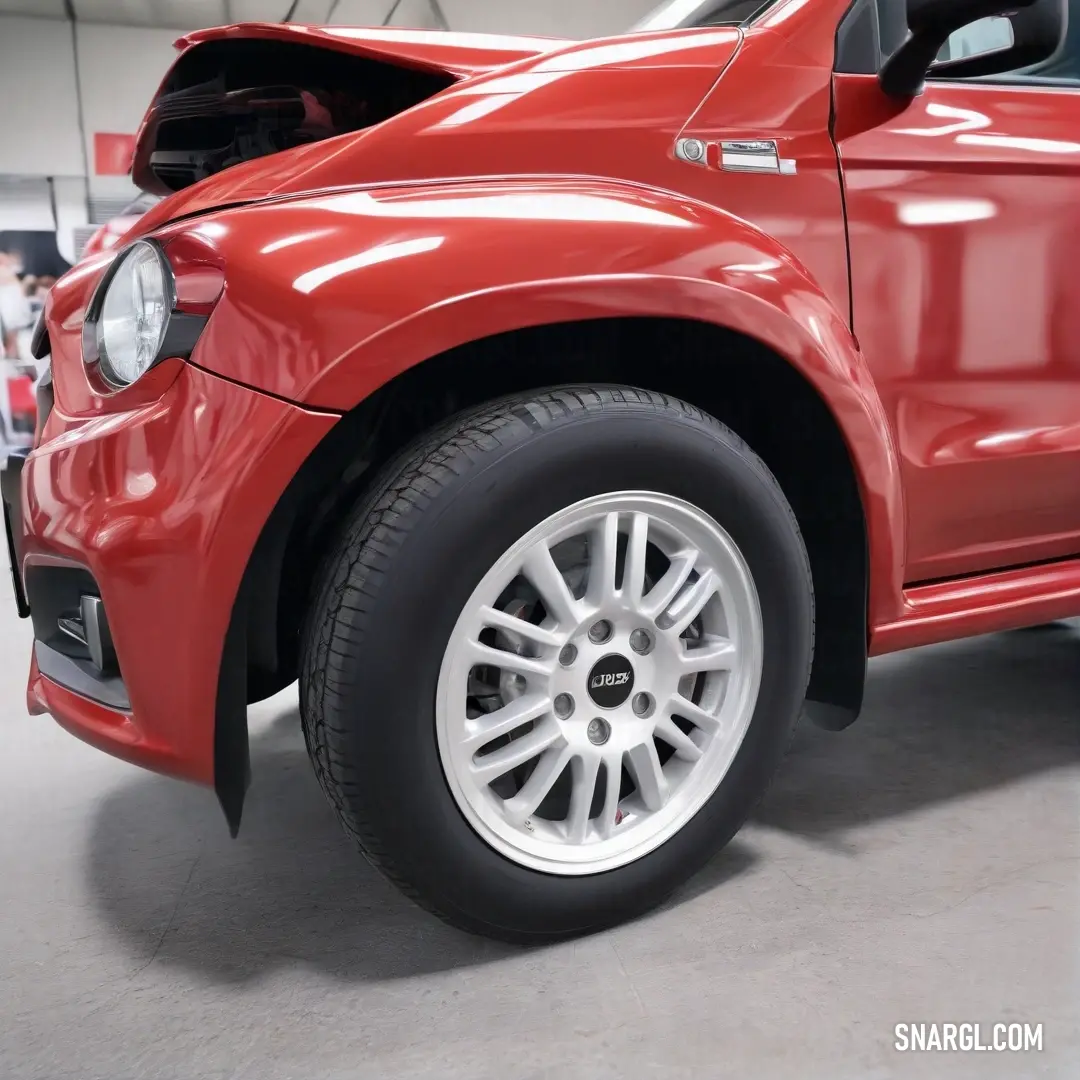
(134, 315)
(130, 315)
(144, 311)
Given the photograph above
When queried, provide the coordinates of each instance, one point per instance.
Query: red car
(566, 417)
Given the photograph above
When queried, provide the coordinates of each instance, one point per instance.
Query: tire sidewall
(486, 503)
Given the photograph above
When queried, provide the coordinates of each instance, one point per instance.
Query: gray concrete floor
(920, 867)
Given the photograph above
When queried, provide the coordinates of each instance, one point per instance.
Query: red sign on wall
(113, 153)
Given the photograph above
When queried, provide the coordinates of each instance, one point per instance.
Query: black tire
(409, 558)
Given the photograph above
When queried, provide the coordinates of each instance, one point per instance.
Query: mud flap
(232, 756)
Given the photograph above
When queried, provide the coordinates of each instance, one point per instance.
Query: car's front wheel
(557, 657)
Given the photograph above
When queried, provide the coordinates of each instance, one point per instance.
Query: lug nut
(600, 632)
(641, 642)
(564, 706)
(599, 731)
(568, 655)
(643, 705)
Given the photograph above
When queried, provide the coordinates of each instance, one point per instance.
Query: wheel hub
(611, 681)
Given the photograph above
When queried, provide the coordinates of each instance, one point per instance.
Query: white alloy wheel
(599, 683)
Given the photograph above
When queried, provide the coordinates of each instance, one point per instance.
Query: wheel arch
(355, 287)
(738, 379)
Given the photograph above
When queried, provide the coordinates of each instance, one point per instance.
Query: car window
(873, 29)
(983, 36)
(986, 35)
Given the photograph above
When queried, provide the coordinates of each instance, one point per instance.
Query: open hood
(265, 111)
(240, 93)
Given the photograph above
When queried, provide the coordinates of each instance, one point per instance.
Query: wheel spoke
(499, 762)
(612, 787)
(509, 661)
(633, 582)
(644, 765)
(538, 776)
(689, 604)
(603, 558)
(533, 792)
(502, 620)
(717, 654)
(670, 585)
(585, 770)
(506, 721)
(684, 747)
(680, 706)
(540, 570)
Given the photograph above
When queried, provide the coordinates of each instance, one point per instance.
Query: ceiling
(194, 14)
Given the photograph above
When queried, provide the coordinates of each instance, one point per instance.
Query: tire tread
(378, 527)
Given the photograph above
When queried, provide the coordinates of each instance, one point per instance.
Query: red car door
(964, 220)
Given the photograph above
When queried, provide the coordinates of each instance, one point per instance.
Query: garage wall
(39, 121)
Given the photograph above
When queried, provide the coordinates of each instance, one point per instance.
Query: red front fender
(331, 297)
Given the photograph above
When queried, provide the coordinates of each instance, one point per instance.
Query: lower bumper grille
(82, 678)
(74, 645)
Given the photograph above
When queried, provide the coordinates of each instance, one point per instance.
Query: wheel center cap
(611, 681)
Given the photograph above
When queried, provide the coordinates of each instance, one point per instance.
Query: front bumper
(157, 511)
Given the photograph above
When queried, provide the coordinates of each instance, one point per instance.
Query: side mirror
(1005, 35)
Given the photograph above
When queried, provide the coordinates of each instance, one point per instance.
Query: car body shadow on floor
(940, 723)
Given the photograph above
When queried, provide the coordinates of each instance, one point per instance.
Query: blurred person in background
(15, 311)
(16, 318)
(36, 290)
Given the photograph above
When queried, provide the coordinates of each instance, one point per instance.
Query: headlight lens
(134, 315)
